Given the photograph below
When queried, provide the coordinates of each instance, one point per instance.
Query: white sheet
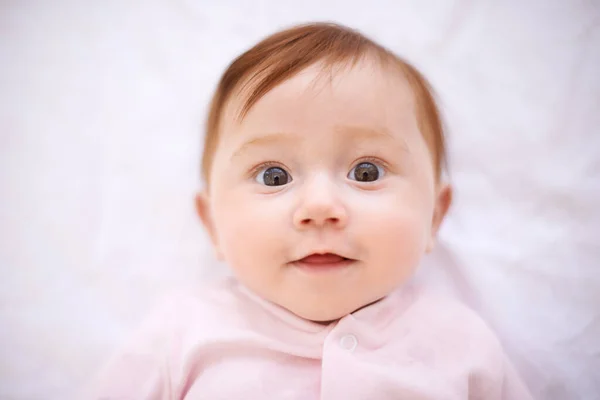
(101, 107)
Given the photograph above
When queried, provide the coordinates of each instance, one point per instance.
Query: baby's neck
(325, 323)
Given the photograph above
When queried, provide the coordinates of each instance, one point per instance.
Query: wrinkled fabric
(230, 344)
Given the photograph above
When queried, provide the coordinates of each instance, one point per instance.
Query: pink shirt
(229, 344)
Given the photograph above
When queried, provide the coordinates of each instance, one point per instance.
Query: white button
(348, 342)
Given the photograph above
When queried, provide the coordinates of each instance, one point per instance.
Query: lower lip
(323, 267)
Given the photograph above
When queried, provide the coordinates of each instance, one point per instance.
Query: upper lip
(323, 252)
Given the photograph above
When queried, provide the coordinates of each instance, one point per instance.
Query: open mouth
(323, 261)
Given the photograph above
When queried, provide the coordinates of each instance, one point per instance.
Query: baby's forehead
(355, 80)
(357, 103)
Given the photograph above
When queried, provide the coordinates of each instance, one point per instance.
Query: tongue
(323, 259)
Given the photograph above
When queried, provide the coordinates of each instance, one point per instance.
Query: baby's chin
(327, 315)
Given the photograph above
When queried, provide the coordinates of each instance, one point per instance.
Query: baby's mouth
(323, 261)
(328, 258)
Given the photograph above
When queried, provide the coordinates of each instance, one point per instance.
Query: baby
(323, 170)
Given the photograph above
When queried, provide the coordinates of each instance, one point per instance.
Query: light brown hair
(282, 55)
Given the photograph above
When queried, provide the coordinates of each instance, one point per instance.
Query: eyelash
(262, 166)
(373, 160)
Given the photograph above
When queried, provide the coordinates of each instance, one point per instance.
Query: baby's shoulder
(220, 302)
(448, 323)
(444, 334)
(445, 311)
(159, 353)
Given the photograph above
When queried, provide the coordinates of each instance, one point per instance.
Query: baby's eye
(273, 176)
(365, 172)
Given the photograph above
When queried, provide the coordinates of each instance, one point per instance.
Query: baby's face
(321, 200)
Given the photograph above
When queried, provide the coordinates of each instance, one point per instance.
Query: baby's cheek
(249, 235)
(399, 239)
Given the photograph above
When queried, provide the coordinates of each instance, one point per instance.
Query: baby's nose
(319, 218)
(321, 207)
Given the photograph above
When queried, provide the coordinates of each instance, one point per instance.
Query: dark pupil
(366, 172)
(275, 176)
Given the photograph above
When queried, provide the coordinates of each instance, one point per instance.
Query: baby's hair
(282, 55)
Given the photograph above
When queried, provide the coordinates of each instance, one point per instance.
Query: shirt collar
(377, 315)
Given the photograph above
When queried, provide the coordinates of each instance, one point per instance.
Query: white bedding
(101, 108)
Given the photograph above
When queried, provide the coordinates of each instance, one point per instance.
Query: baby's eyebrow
(382, 136)
(265, 140)
(348, 132)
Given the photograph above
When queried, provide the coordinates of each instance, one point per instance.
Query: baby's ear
(442, 205)
(204, 212)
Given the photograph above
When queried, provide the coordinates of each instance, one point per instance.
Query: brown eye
(365, 172)
(273, 176)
